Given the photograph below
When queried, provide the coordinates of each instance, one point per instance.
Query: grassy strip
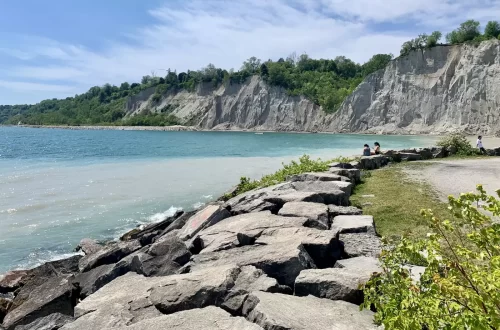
(397, 201)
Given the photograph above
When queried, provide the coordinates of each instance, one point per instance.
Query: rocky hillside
(437, 90)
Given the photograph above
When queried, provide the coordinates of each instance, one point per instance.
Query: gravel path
(452, 177)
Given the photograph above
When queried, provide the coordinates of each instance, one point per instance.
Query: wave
(157, 217)
(38, 258)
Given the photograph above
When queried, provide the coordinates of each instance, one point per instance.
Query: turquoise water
(59, 186)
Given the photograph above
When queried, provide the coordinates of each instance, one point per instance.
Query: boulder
(12, 280)
(354, 224)
(322, 246)
(353, 174)
(497, 151)
(281, 260)
(88, 246)
(373, 162)
(109, 255)
(490, 152)
(56, 295)
(438, 152)
(51, 322)
(360, 244)
(316, 176)
(250, 279)
(319, 186)
(178, 223)
(425, 153)
(360, 263)
(279, 311)
(145, 231)
(393, 156)
(4, 307)
(279, 198)
(112, 306)
(242, 230)
(341, 165)
(208, 318)
(335, 210)
(451, 150)
(336, 283)
(315, 213)
(356, 164)
(207, 217)
(40, 275)
(91, 281)
(410, 156)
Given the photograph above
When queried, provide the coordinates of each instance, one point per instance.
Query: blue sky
(59, 48)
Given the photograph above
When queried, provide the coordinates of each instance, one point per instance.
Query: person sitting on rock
(366, 150)
(479, 144)
(376, 149)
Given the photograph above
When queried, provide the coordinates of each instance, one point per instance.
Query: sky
(59, 48)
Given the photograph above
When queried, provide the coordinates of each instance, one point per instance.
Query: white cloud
(191, 34)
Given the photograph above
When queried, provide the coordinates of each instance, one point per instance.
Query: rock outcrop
(437, 90)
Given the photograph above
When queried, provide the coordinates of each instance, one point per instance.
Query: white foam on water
(198, 205)
(157, 217)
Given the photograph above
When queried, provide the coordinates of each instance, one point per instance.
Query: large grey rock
(178, 223)
(4, 307)
(109, 254)
(335, 210)
(56, 295)
(91, 281)
(360, 263)
(144, 297)
(342, 165)
(88, 246)
(354, 224)
(353, 174)
(315, 213)
(12, 280)
(143, 232)
(242, 230)
(337, 283)
(208, 318)
(410, 156)
(51, 322)
(322, 246)
(319, 186)
(281, 260)
(425, 153)
(207, 217)
(317, 176)
(373, 162)
(249, 280)
(278, 311)
(360, 244)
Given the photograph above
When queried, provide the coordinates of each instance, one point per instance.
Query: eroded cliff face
(439, 90)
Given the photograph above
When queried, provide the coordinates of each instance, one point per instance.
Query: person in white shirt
(479, 144)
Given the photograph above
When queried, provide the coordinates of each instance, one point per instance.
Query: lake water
(59, 186)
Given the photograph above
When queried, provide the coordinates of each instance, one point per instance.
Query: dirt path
(452, 177)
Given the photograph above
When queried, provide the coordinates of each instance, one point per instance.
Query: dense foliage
(326, 82)
(460, 143)
(460, 288)
(468, 31)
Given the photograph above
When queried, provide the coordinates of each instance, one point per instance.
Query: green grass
(397, 201)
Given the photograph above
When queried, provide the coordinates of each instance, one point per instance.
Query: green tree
(492, 29)
(433, 39)
(376, 63)
(251, 65)
(264, 71)
(467, 31)
(124, 86)
(146, 80)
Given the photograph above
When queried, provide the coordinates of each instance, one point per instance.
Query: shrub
(460, 142)
(460, 288)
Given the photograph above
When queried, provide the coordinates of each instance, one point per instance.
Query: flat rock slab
(315, 213)
(11, 280)
(319, 186)
(365, 264)
(55, 295)
(207, 217)
(208, 318)
(353, 174)
(360, 244)
(317, 176)
(334, 283)
(278, 311)
(410, 156)
(51, 322)
(373, 162)
(242, 230)
(281, 260)
(89, 246)
(109, 255)
(353, 224)
(335, 210)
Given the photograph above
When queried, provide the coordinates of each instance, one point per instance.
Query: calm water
(59, 186)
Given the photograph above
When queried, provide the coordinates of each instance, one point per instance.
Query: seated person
(366, 150)
(376, 149)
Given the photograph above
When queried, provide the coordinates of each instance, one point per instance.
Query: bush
(460, 142)
(460, 288)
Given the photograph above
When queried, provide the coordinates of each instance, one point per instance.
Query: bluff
(436, 90)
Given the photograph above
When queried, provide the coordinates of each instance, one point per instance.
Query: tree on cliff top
(492, 30)
(467, 31)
